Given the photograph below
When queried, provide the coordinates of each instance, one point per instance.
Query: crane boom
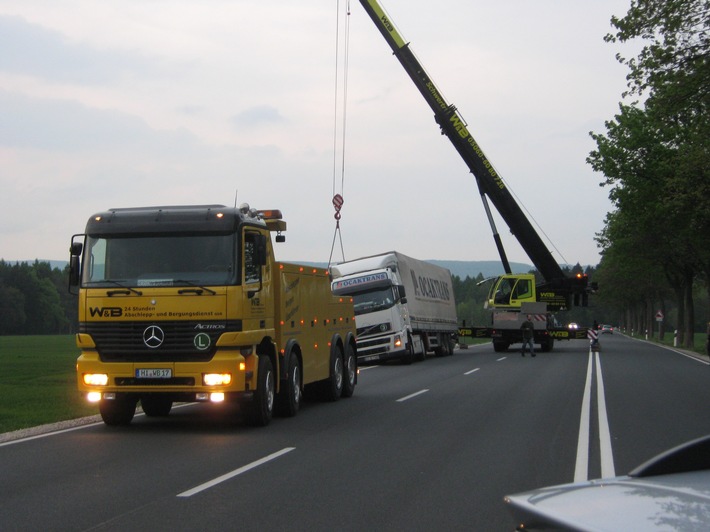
(490, 184)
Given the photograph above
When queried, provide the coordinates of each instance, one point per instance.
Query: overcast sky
(124, 103)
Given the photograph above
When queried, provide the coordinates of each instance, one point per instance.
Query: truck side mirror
(75, 250)
(402, 294)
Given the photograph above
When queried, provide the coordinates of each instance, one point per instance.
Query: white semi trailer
(404, 307)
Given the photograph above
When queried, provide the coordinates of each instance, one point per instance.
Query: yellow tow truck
(187, 303)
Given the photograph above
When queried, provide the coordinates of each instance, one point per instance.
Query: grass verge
(699, 342)
(38, 381)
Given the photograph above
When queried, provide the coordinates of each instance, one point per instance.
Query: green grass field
(38, 381)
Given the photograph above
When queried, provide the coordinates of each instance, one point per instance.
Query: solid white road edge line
(218, 480)
(412, 395)
(581, 469)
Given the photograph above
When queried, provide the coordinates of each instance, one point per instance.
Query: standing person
(528, 330)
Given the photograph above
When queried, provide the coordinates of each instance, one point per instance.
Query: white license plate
(154, 373)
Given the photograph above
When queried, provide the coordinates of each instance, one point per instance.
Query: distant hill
(487, 268)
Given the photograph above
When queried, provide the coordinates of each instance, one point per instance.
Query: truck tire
(444, 349)
(261, 409)
(500, 347)
(547, 345)
(156, 405)
(419, 357)
(118, 412)
(289, 398)
(332, 387)
(350, 371)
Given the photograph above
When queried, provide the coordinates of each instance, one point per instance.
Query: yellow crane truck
(512, 296)
(187, 303)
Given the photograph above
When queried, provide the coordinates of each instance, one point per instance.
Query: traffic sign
(659, 316)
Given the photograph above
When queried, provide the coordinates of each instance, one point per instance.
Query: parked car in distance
(669, 492)
(607, 329)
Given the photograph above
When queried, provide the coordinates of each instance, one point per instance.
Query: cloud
(69, 126)
(257, 116)
(33, 50)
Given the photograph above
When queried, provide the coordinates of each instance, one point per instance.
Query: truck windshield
(159, 260)
(372, 300)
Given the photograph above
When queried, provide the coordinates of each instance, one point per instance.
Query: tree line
(655, 156)
(34, 299)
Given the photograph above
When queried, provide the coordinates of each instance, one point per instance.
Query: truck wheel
(547, 345)
(411, 355)
(500, 347)
(118, 412)
(156, 405)
(289, 399)
(261, 410)
(333, 385)
(444, 349)
(350, 370)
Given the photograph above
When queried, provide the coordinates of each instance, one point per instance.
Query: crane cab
(510, 291)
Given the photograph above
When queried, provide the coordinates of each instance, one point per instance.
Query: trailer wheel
(350, 371)
(156, 405)
(118, 412)
(333, 385)
(261, 410)
(289, 399)
(444, 349)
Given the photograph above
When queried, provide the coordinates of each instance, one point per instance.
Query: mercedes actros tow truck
(189, 304)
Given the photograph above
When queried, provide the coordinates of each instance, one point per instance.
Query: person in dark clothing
(528, 330)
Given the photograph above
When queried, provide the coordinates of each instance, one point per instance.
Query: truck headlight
(217, 379)
(398, 341)
(95, 379)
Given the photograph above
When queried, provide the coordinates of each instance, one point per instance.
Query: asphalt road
(431, 446)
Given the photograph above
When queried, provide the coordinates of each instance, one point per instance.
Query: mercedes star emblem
(153, 336)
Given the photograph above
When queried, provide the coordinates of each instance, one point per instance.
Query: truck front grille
(373, 346)
(162, 341)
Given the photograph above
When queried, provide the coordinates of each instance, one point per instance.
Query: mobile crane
(511, 296)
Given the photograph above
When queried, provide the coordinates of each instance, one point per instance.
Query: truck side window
(251, 263)
(504, 290)
(523, 289)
